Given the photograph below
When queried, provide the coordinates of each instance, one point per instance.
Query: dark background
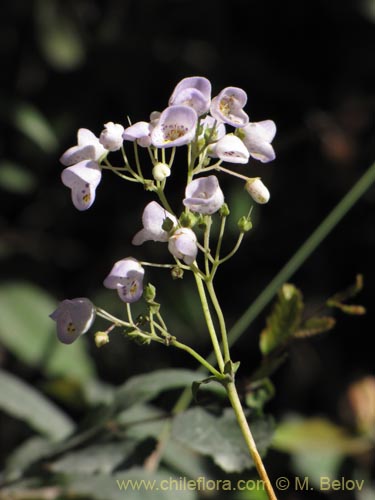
(308, 65)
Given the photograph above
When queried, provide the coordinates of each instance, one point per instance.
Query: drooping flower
(257, 137)
(257, 190)
(230, 148)
(204, 195)
(111, 136)
(88, 148)
(183, 245)
(194, 91)
(83, 179)
(73, 318)
(227, 107)
(126, 277)
(176, 127)
(153, 218)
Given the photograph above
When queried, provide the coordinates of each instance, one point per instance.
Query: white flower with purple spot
(194, 91)
(230, 148)
(257, 137)
(257, 190)
(83, 179)
(204, 195)
(153, 219)
(183, 245)
(176, 127)
(126, 277)
(73, 318)
(88, 148)
(111, 136)
(227, 107)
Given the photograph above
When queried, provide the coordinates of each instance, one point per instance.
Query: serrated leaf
(132, 484)
(284, 319)
(314, 326)
(339, 298)
(27, 331)
(22, 401)
(220, 437)
(143, 388)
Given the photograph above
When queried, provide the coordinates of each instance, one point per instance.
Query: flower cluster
(193, 119)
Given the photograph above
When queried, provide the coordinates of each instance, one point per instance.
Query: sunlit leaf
(284, 319)
(31, 122)
(220, 437)
(15, 178)
(24, 402)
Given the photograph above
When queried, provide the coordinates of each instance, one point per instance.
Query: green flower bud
(149, 292)
(224, 210)
(244, 224)
(187, 219)
(101, 338)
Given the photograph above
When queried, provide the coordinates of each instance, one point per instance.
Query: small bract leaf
(284, 319)
(314, 326)
(339, 298)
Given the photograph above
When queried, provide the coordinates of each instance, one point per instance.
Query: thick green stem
(209, 322)
(248, 437)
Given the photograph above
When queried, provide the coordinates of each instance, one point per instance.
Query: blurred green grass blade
(27, 331)
(31, 122)
(15, 178)
(22, 401)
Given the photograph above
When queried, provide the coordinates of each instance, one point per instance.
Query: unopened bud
(224, 210)
(187, 219)
(161, 171)
(257, 190)
(244, 224)
(101, 338)
(149, 293)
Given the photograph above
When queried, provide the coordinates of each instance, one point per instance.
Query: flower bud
(257, 190)
(149, 293)
(224, 210)
(187, 219)
(111, 136)
(244, 224)
(101, 338)
(161, 171)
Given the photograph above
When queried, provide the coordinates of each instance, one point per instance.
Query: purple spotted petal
(126, 277)
(176, 127)
(153, 218)
(231, 149)
(73, 318)
(193, 91)
(83, 179)
(183, 245)
(204, 195)
(257, 138)
(88, 148)
(227, 107)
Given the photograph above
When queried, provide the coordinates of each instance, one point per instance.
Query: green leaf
(22, 401)
(31, 122)
(316, 465)
(132, 484)
(314, 326)
(15, 178)
(284, 320)
(95, 459)
(220, 437)
(339, 298)
(142, 388)
(27, 331)
(30, 451)
(316, 435)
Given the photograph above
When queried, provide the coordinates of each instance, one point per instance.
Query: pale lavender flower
(204, 195)
(194, 91)
(257, 137)
(231, 149)
(88, 148)
(73, 318)
(257, 190)
(83, 179)
(111, 136)
(183, 245)
(227, 107)
(126, 277)
(176, 127)
(140, 132)
(153, 219)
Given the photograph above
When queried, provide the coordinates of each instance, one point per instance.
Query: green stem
(164, 200)
(248, 437)
(235, 248)
(209, 322)
(303, 253)
(220, 317)
(198, 357)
